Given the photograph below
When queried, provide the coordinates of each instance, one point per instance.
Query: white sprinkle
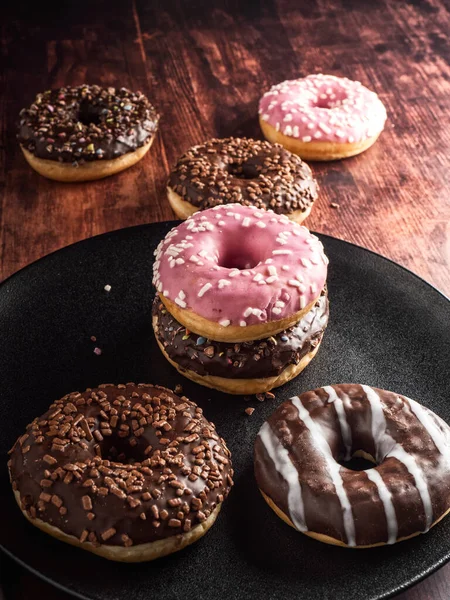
(221, 223)
(272, 270)
(294, 283)
(268, 261)
(204, 289)
(203, 253)
(306, 138)
(237, 216)
(257, 277)
(107, 288)
(313, 288)
(271, 279)
(246, 222)
(180, 302)
(242, 323)
(276, 252)
(276, 311)
(189, 237)
(285, 268)
(224, 322)
(179, 261)
(165, 293)
(302, 302)
(194, 258)
(260, 224)
(181, 295)
(280, 304)
(159, 286)
(234, 273)
(223, 283)
(248, 311)
(306, 262)
(262, 282)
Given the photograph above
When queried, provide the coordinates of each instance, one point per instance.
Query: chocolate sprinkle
(86, 123)
(246, 171)
(247, 360)
(113, 484)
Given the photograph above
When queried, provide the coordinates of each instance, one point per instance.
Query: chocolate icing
(121, 465)
(323, 511)
(247, 360)
(246, 171)
(86, 123)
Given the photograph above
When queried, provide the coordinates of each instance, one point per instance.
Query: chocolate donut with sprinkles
(244, 171)
(235, 273)
(86, 132)
(250, 367)
(299, 449)
(322, 117)
(128, 472)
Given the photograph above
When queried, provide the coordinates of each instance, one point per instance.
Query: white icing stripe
(386, 498)
(422, 487)
(343, 423)
(380, 437)
(440, 441)
(283, 464)
(333, 468)
(387, 447)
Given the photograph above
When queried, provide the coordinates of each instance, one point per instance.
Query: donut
(299, 449)
(244, 171)
(235, 273)
(86, 132)
(128, 472)
(322, 117)
(248, 368)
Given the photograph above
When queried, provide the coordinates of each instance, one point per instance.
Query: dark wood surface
(205, 65)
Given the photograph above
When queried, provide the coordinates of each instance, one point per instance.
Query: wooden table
(204, 65)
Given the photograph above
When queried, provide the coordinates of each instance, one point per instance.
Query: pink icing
(323, 108)
(239, 265)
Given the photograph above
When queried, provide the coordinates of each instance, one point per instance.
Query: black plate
(388, 328)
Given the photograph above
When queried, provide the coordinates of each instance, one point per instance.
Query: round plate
(388, 328)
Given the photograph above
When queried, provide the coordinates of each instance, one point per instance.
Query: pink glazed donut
(235, 273)
(322, 117)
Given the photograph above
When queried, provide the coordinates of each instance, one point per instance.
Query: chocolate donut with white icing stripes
(297, 465)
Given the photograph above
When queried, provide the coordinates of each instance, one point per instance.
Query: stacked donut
(242, 302)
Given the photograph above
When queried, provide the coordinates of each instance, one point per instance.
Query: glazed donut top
(323, 108)
(237, 265)
(121, 465)
(248, 360)
(86, 123)
(249, 172)
(296, 456)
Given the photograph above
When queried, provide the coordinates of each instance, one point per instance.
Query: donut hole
(89, 114)
(360, 461)
(327, 101)
(234, 258)
(242, 170)
(117, 449)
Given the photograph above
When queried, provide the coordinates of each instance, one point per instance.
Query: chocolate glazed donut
(129, 472)
(243, 171)
(297, 469)
(86, 132)
(249, 367)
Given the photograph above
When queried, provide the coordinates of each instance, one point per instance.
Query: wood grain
(205, 65)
